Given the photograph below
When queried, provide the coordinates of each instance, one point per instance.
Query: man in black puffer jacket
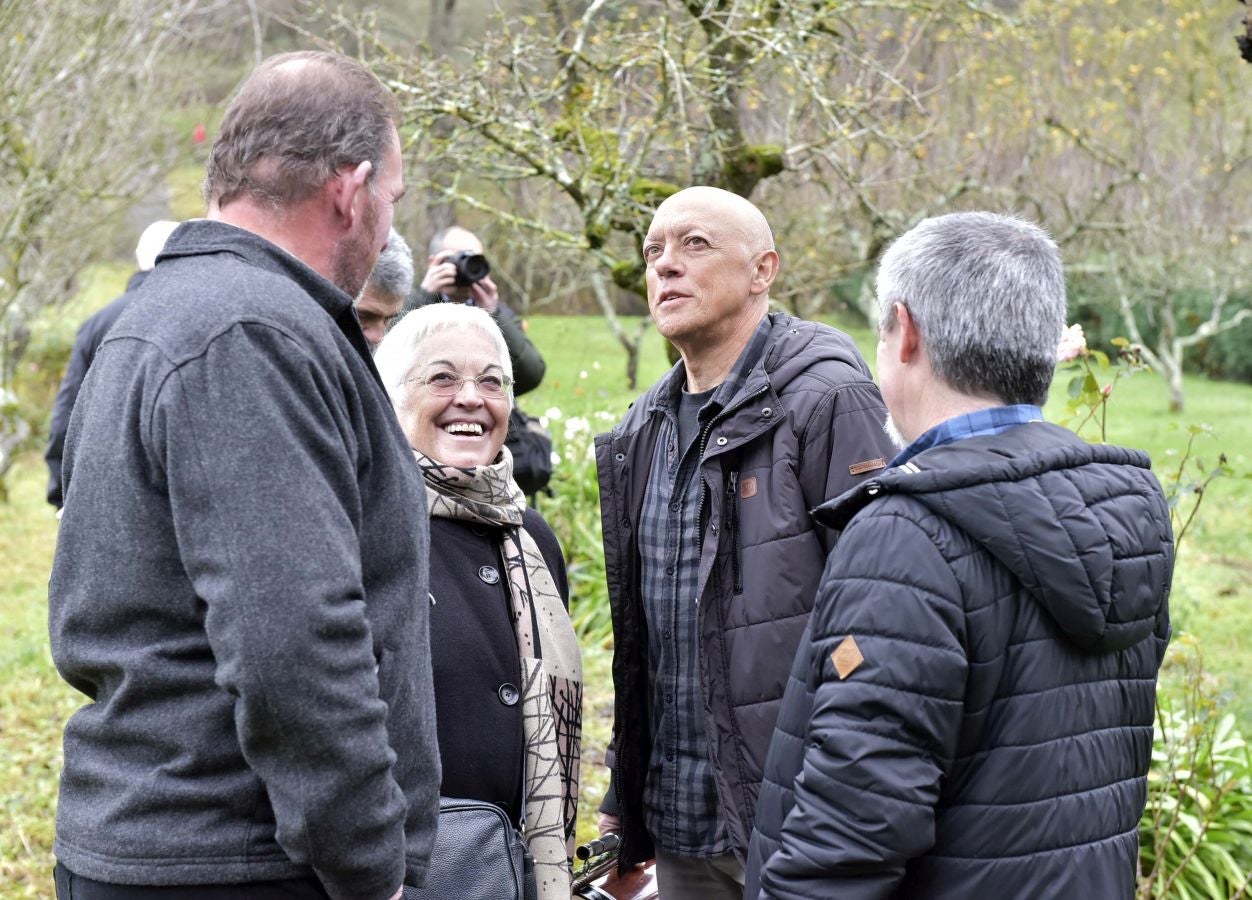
(970, 714)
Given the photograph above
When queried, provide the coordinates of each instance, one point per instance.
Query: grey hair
(393, 273)
(297, 120)
(397, 358)
(987, 292)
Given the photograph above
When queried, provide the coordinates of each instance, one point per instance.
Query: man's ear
(764, 272)
(349, 193)
(910, 335)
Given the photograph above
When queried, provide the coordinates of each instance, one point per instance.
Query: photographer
(456, 250)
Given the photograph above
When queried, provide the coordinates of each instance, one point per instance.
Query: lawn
(1211, 599)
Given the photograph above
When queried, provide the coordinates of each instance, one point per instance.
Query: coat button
(509, 694)
(489, 574)
(721, 442)
(766, 413)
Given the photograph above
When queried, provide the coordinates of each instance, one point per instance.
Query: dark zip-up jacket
(806, 425)
(240, 589)
(990, 732)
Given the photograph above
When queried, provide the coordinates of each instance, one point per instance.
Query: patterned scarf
(551, 660)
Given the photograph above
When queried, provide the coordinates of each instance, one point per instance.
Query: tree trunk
(442, 34)
(629, 344)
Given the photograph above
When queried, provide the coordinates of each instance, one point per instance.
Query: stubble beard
(354, 256)
(893, 433)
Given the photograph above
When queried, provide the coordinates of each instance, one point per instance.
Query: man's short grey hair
(393, 273)
(297, 120)
(397, 357)
(987, 292)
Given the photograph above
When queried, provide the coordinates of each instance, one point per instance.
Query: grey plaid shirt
(680, 796)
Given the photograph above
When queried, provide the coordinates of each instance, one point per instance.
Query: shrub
(572, 507)
(1196, 832)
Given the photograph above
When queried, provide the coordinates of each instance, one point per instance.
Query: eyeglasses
(448, 384)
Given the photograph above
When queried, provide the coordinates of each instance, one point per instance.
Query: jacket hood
(792, 347)
(1069, 519)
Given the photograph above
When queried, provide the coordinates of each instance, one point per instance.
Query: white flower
(596, 365)
(1073, 344)
(556, 458)
(583, 374)
(576, 425)
(552, 414)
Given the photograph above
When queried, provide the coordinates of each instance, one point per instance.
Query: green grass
(1212, 594)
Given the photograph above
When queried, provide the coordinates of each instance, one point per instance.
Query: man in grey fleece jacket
(240, 577)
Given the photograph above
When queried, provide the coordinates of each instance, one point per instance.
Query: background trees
(561, 128)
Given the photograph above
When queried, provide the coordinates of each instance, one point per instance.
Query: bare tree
(80, 140)
(615, 107)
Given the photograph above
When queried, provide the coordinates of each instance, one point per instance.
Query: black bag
(478, 855)
(531, 447)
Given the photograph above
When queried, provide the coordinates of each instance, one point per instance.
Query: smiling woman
(506, 664)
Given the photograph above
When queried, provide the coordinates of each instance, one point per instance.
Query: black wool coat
(475, 661)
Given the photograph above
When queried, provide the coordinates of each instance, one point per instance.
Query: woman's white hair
(397, 356)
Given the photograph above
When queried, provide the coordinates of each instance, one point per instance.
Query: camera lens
(471, 268)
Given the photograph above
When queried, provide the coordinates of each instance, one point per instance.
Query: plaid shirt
(983, 421)
(680, 796)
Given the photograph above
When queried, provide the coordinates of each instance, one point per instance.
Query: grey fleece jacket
(240, 589)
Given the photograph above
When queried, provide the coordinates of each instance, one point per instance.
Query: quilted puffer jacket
(971, 712)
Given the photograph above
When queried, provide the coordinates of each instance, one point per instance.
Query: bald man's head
(710, 262)
(736, 211)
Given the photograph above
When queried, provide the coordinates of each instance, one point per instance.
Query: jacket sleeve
(67, 394)
(528, 364)
(882, 732)
(254, 441)
(844, 443)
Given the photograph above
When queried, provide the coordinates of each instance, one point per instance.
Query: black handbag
(478, 855)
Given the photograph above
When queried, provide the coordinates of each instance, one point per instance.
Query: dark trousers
(76, 887)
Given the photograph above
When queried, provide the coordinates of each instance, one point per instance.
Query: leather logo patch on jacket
(869, 465)
(747, 487)
(847, 657)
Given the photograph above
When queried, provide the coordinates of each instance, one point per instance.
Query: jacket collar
(203, 237)
(200, 237)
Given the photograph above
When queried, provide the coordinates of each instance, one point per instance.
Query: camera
(471, 267)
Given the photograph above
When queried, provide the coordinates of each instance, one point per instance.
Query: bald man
(711, 555)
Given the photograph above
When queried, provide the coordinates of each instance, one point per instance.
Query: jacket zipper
(732, 521)
(704, 439)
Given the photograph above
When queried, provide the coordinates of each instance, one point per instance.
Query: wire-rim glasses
(448, 384)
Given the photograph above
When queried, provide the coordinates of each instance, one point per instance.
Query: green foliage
(572, 508)
(1196, 832)
(1093, 376)
(1226, 355)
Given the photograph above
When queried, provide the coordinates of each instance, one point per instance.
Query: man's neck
(305, 244)
(950, 406)
(708, 365)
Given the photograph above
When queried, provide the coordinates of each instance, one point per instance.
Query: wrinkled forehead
(714, 214)
(465, 348)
